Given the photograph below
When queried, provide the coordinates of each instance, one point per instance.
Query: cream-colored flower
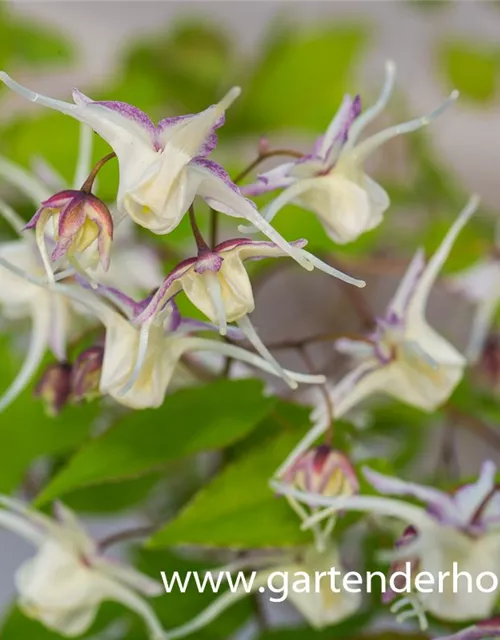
(331, 181)
(68, 578)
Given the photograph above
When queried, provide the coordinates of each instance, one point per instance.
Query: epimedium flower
(217, 283)
(326, 472)
(455, 532)
(164, 167)
(331, 181)
(80, 220)
(319, 604)
(134, 267)
(138, 368)
(68, 578)
(404, 357)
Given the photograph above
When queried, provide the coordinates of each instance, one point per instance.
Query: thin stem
(325, 337)
(214, 228)
(127, 534)
(199, 239)
(89, 182)
(265, 156)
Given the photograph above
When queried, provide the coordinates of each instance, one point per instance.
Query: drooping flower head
(331, 181)
(80, 219)
(217, 283)
(68, 578)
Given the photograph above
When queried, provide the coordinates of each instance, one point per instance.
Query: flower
(326, 472)
(80, 219)
(217, 283)
(163, 167)
(405, 357)
(331, 181)
(54, 387)
(128, 255)
(64, 584)
(320, 604)
(481, 285)
(455, 532)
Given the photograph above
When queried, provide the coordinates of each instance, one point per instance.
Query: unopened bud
(81, 218)
(54, 387)
(86, 374)
(324, 471)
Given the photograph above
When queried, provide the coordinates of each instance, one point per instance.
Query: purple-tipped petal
(123, 108)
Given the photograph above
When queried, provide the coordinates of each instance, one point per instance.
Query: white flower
(462, 528)
(481, 285)
(66, 581)
(405, 357)
(320, 607)
(218, 284)
(139, 364)
(331, 181)
(163, 167)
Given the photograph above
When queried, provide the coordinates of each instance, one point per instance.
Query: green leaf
(190, 421)
(238, 509)
(27, 433)
(472, 69)
(17, 626)
(36, 47)
(301, 78)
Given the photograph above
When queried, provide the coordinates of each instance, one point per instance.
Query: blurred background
(294, 62)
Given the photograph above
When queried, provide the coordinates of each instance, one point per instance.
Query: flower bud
(86, 374)
(399, 567)
(54, 387)
(324, 471)
(81, 218)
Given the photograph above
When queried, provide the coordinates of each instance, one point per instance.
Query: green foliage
(25, 43)
(238, 509)
(472, 68)
(189, 421)
(296, 84)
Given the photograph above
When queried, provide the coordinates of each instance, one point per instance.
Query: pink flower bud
(81, 219)
(86, 374)
(324, 471)
(54, 387)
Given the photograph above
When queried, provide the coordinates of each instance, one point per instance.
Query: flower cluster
(80, 269)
